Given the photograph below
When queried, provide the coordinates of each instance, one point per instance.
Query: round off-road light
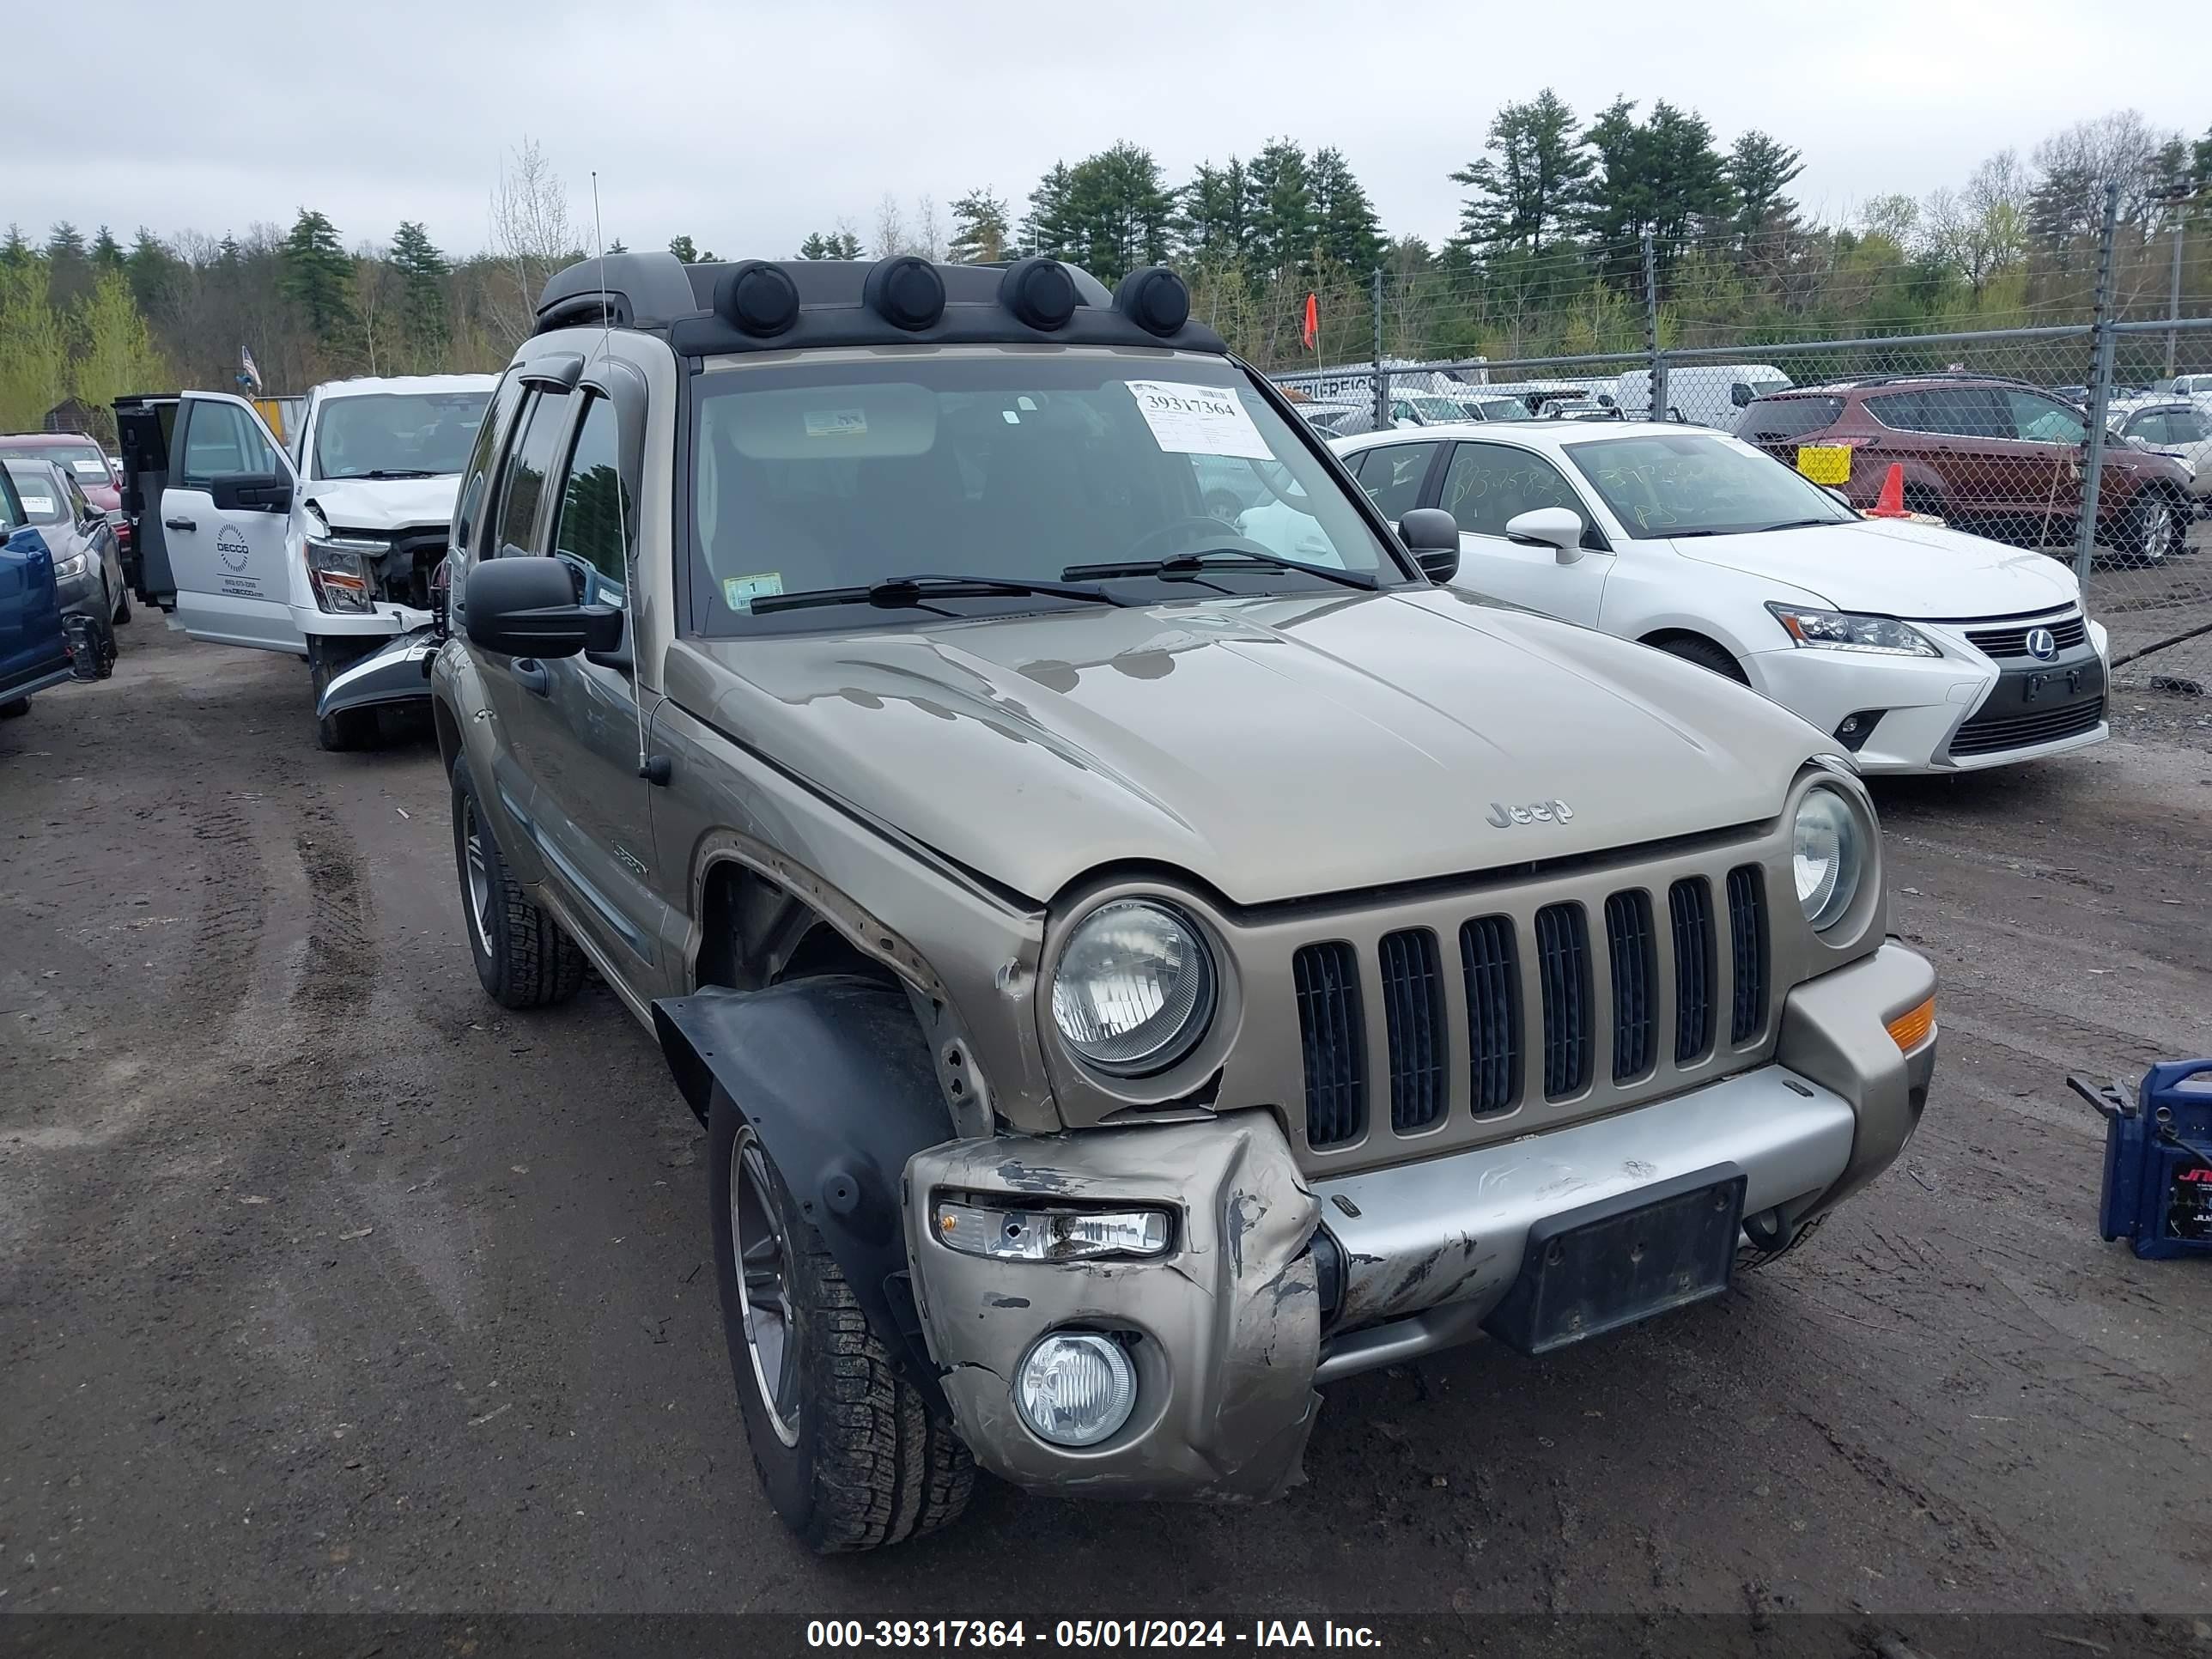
(761, 299)
(1039, 292)
(1827, 856)
(1075, 1388)
(905, 292)
(1154, 299)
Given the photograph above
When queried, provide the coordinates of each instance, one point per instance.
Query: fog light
(1076, 1388)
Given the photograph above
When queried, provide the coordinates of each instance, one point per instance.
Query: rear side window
(222, 438)
(595, 511)
(1391, 475)
(1771, 420)
(475, 477)
(532, 458)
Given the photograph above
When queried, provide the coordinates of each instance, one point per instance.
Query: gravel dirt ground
(325, 1284)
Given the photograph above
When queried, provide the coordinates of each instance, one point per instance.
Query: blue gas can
(2158, 1159)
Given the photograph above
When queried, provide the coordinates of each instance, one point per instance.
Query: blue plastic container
(2158, 1159)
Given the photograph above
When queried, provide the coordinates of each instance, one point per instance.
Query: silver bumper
(1444, 1239)
(397, 672)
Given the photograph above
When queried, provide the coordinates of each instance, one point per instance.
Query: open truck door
(142, 427)
(225, 521)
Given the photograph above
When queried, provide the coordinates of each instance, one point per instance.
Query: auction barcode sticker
(1198, 419)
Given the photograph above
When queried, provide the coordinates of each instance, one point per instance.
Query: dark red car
(84, 459)
(1999, 458)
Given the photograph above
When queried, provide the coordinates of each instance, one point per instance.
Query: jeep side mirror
(1557, 527)
(1432, 536)
(526, 607)
(250, 492)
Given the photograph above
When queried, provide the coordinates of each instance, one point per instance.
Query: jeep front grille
(1379, 1018)
(1332, 1031)
(1413, 1013)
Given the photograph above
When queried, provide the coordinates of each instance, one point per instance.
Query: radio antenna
(646, 768)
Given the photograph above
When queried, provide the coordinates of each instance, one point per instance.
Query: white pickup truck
(327, 551)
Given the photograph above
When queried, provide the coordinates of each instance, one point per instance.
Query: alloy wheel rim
(479, 875)
(2159, 542)
(763, 1259)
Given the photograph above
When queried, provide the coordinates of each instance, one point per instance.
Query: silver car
(1134, 972)
(2179, 429)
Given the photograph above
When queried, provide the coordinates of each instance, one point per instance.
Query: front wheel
(14, 710)
(850, 1455)
(1706, 653)
(523, 958)
(2150, 534)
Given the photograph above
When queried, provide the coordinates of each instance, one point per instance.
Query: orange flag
(1313, 321)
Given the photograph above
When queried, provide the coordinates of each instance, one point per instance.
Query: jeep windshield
(396, 434)
(1701, 485)
(1003, 465)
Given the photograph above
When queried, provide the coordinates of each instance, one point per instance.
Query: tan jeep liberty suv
(1132, 974)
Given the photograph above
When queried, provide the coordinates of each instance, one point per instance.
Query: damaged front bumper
(398, 670)
(1273, 1284)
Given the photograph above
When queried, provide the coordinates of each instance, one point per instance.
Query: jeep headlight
(1851, 631)
(1827, 856)
(1134, 988)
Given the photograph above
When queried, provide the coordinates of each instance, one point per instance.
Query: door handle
(180, 524)
(530, 674)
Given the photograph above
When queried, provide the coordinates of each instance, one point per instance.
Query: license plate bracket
(1623, 1260)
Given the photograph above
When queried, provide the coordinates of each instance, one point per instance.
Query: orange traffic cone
(1890, 504)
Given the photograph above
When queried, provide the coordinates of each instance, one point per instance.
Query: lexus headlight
(1827, 856)
(1848, 630)
(1134, 988)
(69, 569)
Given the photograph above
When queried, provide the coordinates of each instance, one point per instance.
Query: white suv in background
(1917, 648)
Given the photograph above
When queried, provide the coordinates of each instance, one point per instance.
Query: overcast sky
(747, 124)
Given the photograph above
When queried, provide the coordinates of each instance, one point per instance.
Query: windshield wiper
(1805, 523)
(1186, 566)
(912, 592)
(395, 473)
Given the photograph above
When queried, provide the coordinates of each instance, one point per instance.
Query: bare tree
(928, 233)
(372, 282)
(531, 236)
(891, 227)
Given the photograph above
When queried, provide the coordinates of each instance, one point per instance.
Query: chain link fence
(2087, 441)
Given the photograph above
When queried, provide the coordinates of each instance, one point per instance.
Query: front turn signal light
(1911, 1027)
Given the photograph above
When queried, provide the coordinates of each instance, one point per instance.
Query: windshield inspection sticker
(836, 423)
(739, 592)
(1198, 419)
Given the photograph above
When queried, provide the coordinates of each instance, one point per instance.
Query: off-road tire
(1692, 647)
(349, 728)
(15, 710)
(873, 1465)
(525, 959)
(1749, 1257)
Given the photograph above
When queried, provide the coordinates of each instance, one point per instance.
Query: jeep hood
(1896, 568)
(382, 503)
(1275, 748)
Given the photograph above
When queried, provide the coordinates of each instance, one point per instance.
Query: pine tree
(316, 273)
(153, 269)
(839, 244)
(64, 241)
(1118, 208)
(1212, 217)
(423, 270)
(688, 251)
(980, 232)
(107, 253)
(1350, 234)
(1527, 192)
(16, 251)
(1051, 228)
(1279, 197)
(1758, 167)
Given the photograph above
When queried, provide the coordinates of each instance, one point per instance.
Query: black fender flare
(837, 1078)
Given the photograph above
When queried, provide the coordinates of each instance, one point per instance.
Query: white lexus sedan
(1920, 648)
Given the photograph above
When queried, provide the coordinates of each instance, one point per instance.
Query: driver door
(1485, 487)
(231, 567)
